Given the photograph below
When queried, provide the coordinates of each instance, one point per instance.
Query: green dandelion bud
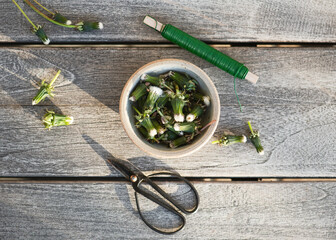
(255, 140)
(158, 127)
(226, 140)
(204, 99)
(177, 104)
(41, 34)
(182, 81)
(195, 113)
(144, 132)
(156, 81)
(45, 90)
(178, 142)
(51, 119)
(188, 127)
(161, 102)
(153, 96)
(89, 26)
(139, 91)
(147, 123)
(169, 136)
(61, 19)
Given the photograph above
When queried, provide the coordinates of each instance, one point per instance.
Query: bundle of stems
(169, 108)
(56, 18)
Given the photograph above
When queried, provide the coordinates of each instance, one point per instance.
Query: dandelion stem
(46, 17)
(24, 14)
(43, 7)
(54, 79)
(250, 127)
(138, 112)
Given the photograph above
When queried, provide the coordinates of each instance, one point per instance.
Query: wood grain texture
(293, 105)
(215, 21)
(107, 211)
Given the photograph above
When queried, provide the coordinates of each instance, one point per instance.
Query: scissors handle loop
(163, 203)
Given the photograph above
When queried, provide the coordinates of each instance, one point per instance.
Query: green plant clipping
(52, 119)
(161, 104)
(227, 140)
(45, 90)
(254, 137)
(56, 18)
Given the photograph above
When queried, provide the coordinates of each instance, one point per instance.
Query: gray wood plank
(227, 211)
(215, 21)
(293, 105)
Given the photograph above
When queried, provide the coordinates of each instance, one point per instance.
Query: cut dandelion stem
(55, 15)
(254, 137)
(46, 9)
(226, 140)
(51, 119)
(24, 14)
(45, 90)
(48, 18)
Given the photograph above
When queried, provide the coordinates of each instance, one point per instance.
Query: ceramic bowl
(206, 87)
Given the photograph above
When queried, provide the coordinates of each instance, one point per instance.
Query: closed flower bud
(61, 19)
(188, 127)
(153, 96)
(226, 140)
(45, 90)
(254, 137)
(139, 91)
(178, 142)
(147, 123)
(158, 127)
(89, 26)
(177, 105)
(156, 81)
(204, 99)
(161, 102)
(41, 34)
(195, 113)
(182, 81)
(51, 119)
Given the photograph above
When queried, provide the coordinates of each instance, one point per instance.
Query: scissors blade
(124, 167)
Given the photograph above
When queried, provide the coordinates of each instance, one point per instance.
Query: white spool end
(151, 22)
(251, 77)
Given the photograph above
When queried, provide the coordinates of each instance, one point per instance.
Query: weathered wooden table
(57, 185)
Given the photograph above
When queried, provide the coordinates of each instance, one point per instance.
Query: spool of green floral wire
(204, 51)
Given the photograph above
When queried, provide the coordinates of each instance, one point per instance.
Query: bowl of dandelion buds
(169, 108)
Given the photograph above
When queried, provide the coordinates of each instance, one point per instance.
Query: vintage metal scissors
(136, 177)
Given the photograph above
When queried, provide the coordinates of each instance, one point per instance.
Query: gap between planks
(163, 45)
(94, 180)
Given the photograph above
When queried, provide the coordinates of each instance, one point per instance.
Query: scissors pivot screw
(133, 178)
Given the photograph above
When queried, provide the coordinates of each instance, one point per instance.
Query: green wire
(204, 51)
(234, 86)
